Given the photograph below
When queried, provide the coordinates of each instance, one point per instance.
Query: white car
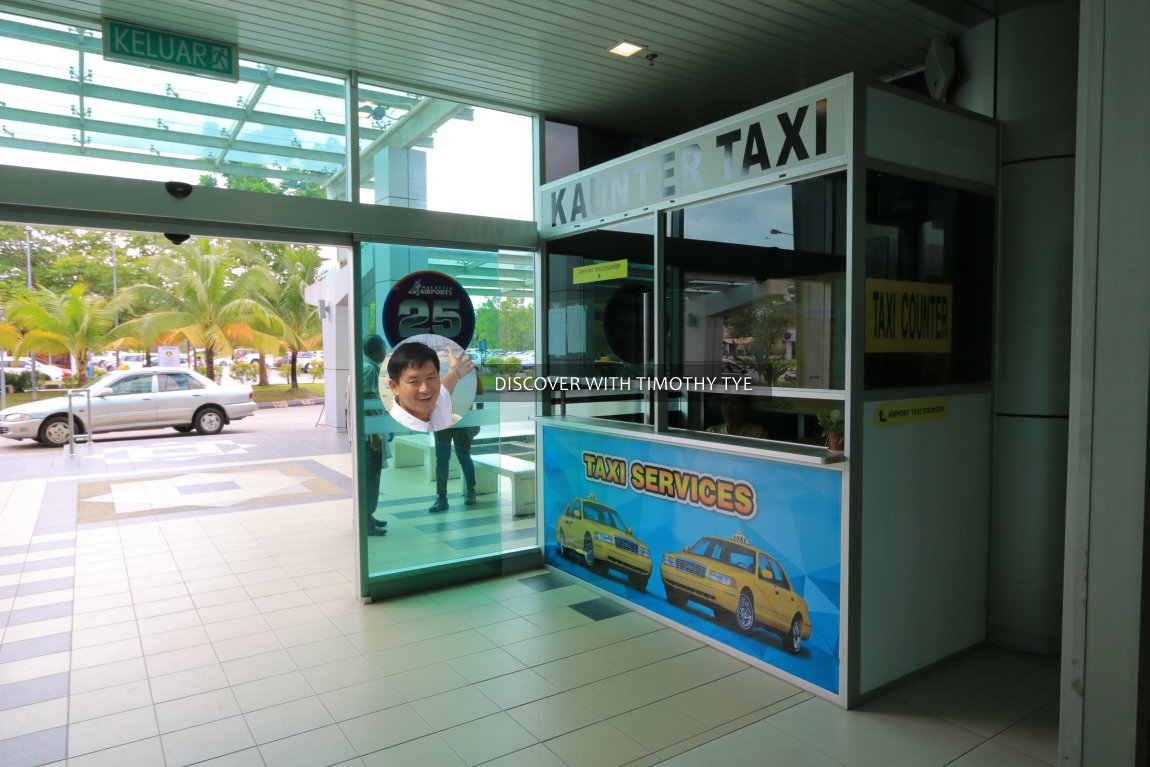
(133, 399)
(24, 365)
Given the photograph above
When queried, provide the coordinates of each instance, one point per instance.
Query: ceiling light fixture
(626, 49)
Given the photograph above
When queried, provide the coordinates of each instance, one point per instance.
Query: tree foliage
(299, 322)
(505, 323)
(213, 294)
(73, 322)
(765, 324)
(63, 257)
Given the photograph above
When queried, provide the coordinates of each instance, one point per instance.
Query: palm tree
(299, 321)
(9, 337)
(74, 322)
(213, 294)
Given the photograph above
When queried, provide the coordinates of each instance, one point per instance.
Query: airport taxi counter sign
(743, 550)
(908, 316)
(800, 134)
(135, 44)
(609, 270)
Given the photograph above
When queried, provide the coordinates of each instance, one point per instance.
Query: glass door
(445, 455)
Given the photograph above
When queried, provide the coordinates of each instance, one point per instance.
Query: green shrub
(203, 370)
(315, 370)
(246, 372)
(19, 381)
(509, 366)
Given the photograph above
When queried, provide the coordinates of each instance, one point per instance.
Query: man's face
(417, 389)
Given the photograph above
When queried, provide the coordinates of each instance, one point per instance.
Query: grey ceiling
(713, 57)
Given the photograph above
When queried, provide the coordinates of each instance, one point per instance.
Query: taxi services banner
(745, 551)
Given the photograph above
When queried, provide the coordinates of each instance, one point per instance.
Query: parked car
(304, 359)
(24, 365)
(132, 361)
(133, 399)
(738, 581)
(598, 534)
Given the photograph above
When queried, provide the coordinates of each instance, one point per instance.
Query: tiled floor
(230, 635)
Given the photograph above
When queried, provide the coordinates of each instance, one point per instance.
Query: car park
(740, 583)
(598, 534)
(124, 400)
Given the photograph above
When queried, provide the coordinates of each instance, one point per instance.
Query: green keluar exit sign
(135, 44)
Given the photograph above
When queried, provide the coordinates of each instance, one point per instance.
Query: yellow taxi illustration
(598, 534)
(741, 583)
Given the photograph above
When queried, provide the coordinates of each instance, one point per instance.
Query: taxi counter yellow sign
(608, 270)
(909, 411)
(908, 316)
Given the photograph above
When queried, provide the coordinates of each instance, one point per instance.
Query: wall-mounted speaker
(939, 67)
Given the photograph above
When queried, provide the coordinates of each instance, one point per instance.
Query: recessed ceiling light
(626, 49)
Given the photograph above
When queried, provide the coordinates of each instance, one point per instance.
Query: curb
(288, 403)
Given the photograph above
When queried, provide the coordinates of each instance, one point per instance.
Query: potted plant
(832, 425)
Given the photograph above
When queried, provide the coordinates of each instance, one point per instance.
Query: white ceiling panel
(713, 57)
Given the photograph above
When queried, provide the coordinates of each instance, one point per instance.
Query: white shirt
(441, 416)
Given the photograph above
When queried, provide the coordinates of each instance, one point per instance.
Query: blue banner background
(798, 521)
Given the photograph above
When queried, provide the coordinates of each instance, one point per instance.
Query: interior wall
(1104, 696)
(923, 563)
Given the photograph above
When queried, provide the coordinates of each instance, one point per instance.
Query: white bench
(419, 449)
(489, 469)
(413, 450)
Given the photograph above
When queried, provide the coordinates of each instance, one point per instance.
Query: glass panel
(277, 130)
(601, 323)
(467, 488)
(753, 416)
(929, 275)
(435, 154)
(756, 291)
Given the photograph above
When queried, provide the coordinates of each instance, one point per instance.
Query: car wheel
(55, 431)
(588, 550)
(794, 638)
(209, 420)
(639, 581)
(563, 551)
(183, 429)
(674, 596)
(745, 613)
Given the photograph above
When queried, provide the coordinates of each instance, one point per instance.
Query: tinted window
(929, 284)
(178, 382)
(133, 385)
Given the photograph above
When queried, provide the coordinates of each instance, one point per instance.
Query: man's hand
(461, 363)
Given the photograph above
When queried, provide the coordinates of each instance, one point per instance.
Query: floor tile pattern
(229, 634)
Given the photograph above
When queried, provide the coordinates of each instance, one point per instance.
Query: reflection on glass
(600, 316)
(601, 323)
(461, 492)
(757, 286)
(435, 154)
(935, 236)
(754, 416)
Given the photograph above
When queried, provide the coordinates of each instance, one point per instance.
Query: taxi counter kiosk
(715, 306)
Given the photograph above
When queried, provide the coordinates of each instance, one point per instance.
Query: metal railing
(73, 438)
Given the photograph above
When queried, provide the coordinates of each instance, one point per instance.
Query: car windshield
(604, 515)
(725, 551)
